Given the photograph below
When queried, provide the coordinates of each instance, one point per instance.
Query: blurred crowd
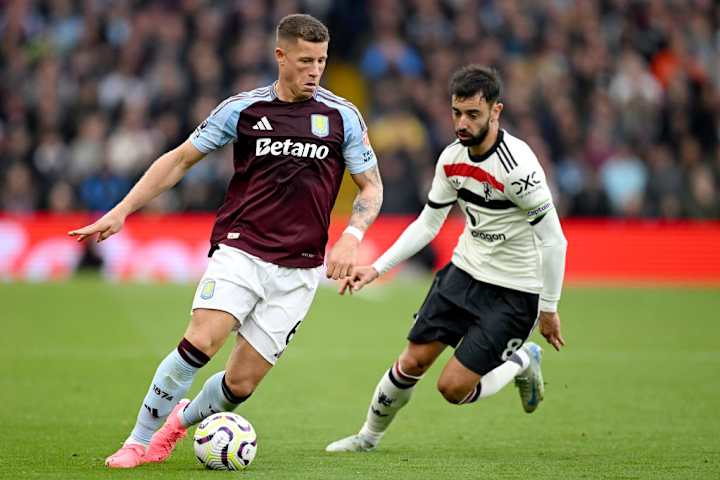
(620, 99)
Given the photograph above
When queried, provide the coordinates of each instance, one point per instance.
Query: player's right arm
(216, 131)
(417, 235)
(162, 175)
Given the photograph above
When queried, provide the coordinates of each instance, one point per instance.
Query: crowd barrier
(174, 248)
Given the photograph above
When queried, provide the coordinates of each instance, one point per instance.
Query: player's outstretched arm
(412, 240)
(162, 175)
(366, 207)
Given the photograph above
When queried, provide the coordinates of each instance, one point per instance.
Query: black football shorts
(485, 323)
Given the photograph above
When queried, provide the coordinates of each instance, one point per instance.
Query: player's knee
(412, 365)
(204, 343)
(451, 391)
(208, 330)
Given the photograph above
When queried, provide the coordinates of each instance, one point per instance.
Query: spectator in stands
(87, 83)
(17, 194)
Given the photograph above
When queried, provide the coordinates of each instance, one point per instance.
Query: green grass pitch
(635, 394)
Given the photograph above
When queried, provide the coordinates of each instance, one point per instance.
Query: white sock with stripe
(171, 382)
(493, 381)
(215, 397)
(391, 394)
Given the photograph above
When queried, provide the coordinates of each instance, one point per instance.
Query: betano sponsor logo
(488, 236)
(265, 146)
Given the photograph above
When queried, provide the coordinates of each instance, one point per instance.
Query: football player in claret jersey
(506, 271)
(292, 141)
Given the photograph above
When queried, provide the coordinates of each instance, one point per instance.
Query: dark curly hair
(476, 79)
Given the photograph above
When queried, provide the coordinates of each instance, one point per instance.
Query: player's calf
(457, 382)
(170, 383)
(215, 396)
(391, 394)
(454, 392)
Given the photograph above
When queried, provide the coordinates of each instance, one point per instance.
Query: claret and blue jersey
(289, 160)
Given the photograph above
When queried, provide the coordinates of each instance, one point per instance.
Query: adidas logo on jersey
(262, 124)
(265, 146)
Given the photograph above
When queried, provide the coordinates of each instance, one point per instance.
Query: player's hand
(109, 224)
(550, 329)
(359, 277)
(342, 258)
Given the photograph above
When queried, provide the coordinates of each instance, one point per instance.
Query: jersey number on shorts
(512, 346)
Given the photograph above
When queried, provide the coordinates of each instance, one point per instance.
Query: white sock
(493, 381)
(171, 382)
(215, 397)
(391, 394)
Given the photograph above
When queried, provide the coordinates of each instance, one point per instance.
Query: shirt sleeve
(442, 193)
(357, 151)
(554, 247)
(413, 239)
(219, 129)
(527, 188)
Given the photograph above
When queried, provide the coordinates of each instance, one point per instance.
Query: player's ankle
(522, 358)
(134, 441)
(369, 436)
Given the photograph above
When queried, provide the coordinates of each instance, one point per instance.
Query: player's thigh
(245, 368)
(418, 357)
(456, 380)
(503, 324)
(227, 293)
(277, 318)
(441, 317)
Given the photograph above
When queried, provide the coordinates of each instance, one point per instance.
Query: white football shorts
(268, 301)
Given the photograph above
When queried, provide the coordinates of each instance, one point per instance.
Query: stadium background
(619, 98)
(620, 102)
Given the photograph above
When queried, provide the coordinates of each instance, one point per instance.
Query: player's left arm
(553, 246)
(368, 201)
(527, 187)
(365, 209)
(361, 162)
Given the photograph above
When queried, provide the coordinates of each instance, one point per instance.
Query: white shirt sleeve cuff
(548, 305)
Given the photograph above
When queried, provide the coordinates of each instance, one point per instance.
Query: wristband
(355, 232)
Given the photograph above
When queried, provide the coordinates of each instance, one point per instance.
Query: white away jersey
(503, 193)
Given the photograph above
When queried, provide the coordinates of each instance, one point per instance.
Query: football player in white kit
(505, 276)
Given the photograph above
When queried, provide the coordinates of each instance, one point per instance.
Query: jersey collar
(274, 95)
(486, 155)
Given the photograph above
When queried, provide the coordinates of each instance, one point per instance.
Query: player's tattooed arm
(368, 200)
(343, 255)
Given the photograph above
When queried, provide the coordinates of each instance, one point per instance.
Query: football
(225, 441)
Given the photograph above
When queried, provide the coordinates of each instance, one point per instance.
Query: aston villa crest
(319, 125)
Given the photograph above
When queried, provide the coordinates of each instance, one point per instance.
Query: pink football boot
(163, 442)
(130, 455)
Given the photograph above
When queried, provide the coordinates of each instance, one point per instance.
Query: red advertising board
(174, 247)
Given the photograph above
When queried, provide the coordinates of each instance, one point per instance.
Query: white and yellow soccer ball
(225, 441)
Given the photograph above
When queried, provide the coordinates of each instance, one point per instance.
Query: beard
(476, 139)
